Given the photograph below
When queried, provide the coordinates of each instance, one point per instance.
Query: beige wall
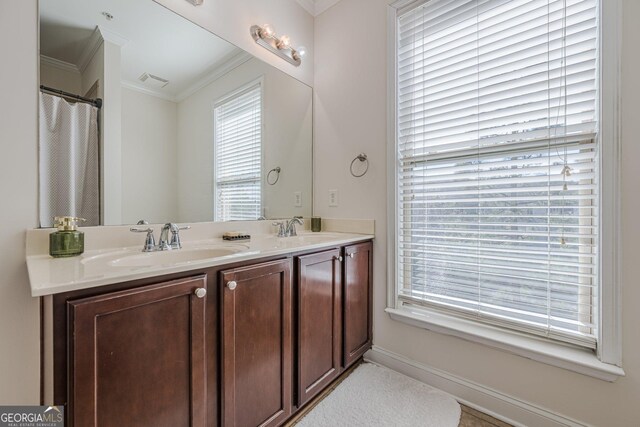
(104, 69)
(350, 104)
(19, 313)
(111, 136)
(149, 158)
(93, 74)
(58, 78)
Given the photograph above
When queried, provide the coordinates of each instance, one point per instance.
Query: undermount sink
(176, 256)
(138, 259)
(314, 238)
(305, 239)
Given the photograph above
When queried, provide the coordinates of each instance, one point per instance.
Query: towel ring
(277, 171)
(363, 158)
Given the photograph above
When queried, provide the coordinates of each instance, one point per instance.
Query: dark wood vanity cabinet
(257, 350)
(242, 345)
(138, 356)
(319, 322)
(357, 305)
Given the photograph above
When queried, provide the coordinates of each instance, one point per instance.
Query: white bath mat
(376, 396)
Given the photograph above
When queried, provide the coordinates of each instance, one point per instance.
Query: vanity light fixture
(266, 37)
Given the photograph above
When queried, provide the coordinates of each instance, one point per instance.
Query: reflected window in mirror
(238, 155)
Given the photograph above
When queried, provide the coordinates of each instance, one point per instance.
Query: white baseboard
(499, 405)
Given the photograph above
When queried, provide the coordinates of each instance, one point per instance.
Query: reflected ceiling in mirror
(190, 125)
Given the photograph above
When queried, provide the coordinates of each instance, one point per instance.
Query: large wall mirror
(190, 127)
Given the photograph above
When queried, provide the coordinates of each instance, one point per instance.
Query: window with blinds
(238, 156)
(497, 163)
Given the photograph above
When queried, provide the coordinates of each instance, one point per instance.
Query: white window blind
(497, 160)
(238, 156)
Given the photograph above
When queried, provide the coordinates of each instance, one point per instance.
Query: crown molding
(214, 74)
(112, 37)
(90, 49)
(99, 36)
(316, 7)
(322, 5)
(61, 65)
(143, 89)
(309, 6)
(208, 78)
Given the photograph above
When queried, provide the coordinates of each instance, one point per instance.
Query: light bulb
(267, 31)
(284, 42)
(302, 51)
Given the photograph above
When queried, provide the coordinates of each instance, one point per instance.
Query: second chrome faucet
(288, 228)
(164, 244)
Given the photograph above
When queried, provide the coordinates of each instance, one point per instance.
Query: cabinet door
(319, 322)
(256, 345)
(138, 356)
(357, 301)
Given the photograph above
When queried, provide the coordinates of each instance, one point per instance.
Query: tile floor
(472, 418)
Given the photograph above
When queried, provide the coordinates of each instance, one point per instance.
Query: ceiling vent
(153, 81)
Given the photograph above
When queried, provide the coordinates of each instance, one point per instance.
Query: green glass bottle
(67, 241)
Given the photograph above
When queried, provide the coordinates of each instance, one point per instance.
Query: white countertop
(98, 267)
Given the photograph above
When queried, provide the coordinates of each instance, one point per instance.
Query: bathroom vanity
(245, 339)
(215, 333)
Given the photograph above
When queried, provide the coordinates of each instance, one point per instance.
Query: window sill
(554, 354)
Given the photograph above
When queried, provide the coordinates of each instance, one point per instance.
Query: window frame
(606, 362)
(216, 103)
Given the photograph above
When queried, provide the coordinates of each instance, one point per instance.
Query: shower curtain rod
(95, 102)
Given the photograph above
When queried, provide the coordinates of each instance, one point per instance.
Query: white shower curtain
(69, 168)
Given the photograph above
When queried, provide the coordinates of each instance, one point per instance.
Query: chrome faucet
(291, 226)
(149, 241)
(288, 228)
(281, 230)
(164, 244)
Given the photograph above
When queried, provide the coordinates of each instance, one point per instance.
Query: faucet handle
(281, 228)
(141, 230)
(175, 228)
(175, 235)
(150, 240)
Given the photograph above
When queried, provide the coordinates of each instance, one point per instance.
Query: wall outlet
(297, 199)
(333, 197)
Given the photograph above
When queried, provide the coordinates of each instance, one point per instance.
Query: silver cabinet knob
(200, 292)
(232, 285)
(338, 258)
(350, 255)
